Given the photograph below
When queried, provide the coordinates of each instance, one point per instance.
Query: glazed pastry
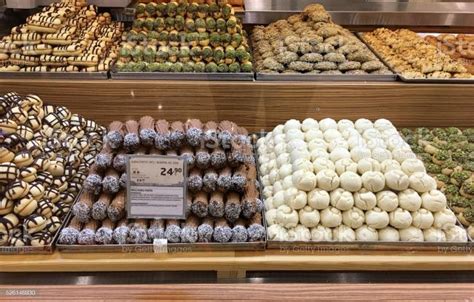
(177, 135)
(121, 232)
(222, 231)
(104, 234)
(115, 135)
(189, 231)
(99, 209)
(233, 207)
(200, 206)
(110, 182)
(203, 158)
(195, 180)
(173, 231)
(138, 232)
(209, 181)
(156, 229)
(131, 141)
(87, 234)
(239, 231)
(82, 208)
(116, 209)
(147, 131)
(194, 132)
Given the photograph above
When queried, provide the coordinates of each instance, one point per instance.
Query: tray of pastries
(185, 40)
(310, 47)
(63, 40)
(223, 210)
(351, 185)
(45, 153)
(415, 59)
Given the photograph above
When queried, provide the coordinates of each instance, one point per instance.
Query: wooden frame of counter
(257, 105)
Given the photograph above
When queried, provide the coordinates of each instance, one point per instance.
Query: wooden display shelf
(257, 105)
(236, 264)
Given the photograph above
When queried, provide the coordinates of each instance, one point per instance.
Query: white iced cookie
(322, 164)
(422, 182)
(296, 201)
(327, 180)
(343, 233)
(381, 154)
(266, 180)
(291, 124)
(277, 233)
(444, 219)
(402, 154)
(338, 143)
(382, 124)
(390, 164)
(351, 132)
(299, 233)
(363, 124)
(279, 199)
(412, 165)
(280, 149)
(377, 143)
(270, 216)
(356, 140)
(455, 234)
(286, 217)
(318, 153)
(366, 233)
(400, 218)
(331, 217)
(302, 164)
(368, 164)
(274, 176)
(262, 159)
(304, 180)
(345, 164)
(350, 181)
(297, 154)
(411, 234)
(279, 129)
(422, 219)
(277, 187)
(397, 180)
(394, 140)
(373, 181)
(389, 234)
(318, 199)
(341, 199)
(321, 233)
(353, 218)
(331, 134)
(434, 200)
(387, 200)
(285, 170)
(371, 134)
(377, 218)
(327, 123)
(365, 200)
(339, 153)
(260, 142)
(279, 138)
(359, 153)
(267, 192)
(317, 143)
(309, 124)
(313, 134)
(287, 182)
(409, 200)
(344, 124)
(434, 235)
(309, 217)
(296, 144)
(269, 203)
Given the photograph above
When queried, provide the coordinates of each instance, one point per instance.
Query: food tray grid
(320, 77)
(55, 75)
(182, 76)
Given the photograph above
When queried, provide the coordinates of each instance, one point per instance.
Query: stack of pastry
(458, 47)
(45, 153)
(223, 202)
(346, 181)
(448, 154)
(63, 37)
(414, 58)
(311, 43)
(185, 37)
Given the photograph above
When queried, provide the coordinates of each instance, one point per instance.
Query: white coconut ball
(296, 144)
(444, 219)
(317, 143)
(286, 217)
(387, 200)
(327, 180)
(345, 165)
(373, 181)
(422, 182)
(280, 149)
(389, 234)
(377, 218)
(280, 128)
(322, 164)
(283, 159)
(377, 143)
(363, 124)
(350, 181)
(287, 182)
(299, 233)
(343, 233)
(270, 216)
(409, 200)
(366, 233)
(412, 165)
(304, 180)
(422, 219)
(309, 217)
(411, 234)
(296, 201)
(327, 123)
(402, 154)
(298, 154)
(344, 124)
(291, 124)
(390, 164)
(397, 180)
(381, 154)
(382, 124)
(455, 234)
(302, 164)
(331, 134)
(365, 200)
(434, 200)
(309, 124)
(368, 164)
(339, 153)
(358, 153)
(371, 134)
(277, 233)
(279, 199)
(400, 218)
(351, 132)
(353, 218)
(318, 153)
(285, 170)
(330, 217)
(313, 134)
(356, 141)
(434, 235)
(338, 143)
(321, 233)
(318, 199)
(341, 199)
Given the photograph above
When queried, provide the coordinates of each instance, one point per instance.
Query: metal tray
(338, 246)
(318, 77)
(55, 75)
(182, 76)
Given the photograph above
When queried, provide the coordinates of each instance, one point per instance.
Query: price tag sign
(156, 187)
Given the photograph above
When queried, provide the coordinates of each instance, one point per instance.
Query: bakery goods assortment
(448, 154)
(458, 47)
(45, 153)
(223, 202)
(413, 57)
(311, 43)
(182, 36)
(62, 37)
(333, 180)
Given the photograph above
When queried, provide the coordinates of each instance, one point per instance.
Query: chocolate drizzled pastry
(177, 135)
(110, 183)
(233, 207)
(239, 231)
(224, 181)
(138, 232)
(131, 141)
(115, 135)
(189, 230)
(156, 229)
(222, 231)
(216, 204)
(194, 132)
(121, 231)
(147, 131)
(209, 181)
(104, 234)
(205, 230)
(195, 180)
(116, 209)
(99, 208)
(210, 136)
(256, 230)
(163, 139)
(87, 234)
(173, 231)
(200, 206)
(82, 208)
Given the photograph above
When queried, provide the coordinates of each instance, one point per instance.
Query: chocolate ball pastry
(206, 230)
(147, 131)
(99, 208)
(227, 131)
(138, 232)
(115, 135)
(163, 135)
(194, 132)
(195, 180)
(110, 182)
(189, 230)
(233, 207)
(6, 206)
(203, 158)
(200, 205)
(222, 231)
(209, 181)
(83, 207)
(120, 161)
(103, 160)
(173, 231)
(239, 231)
(17, 189)
(156, 229)
(93, 182)
(116, 209)
(188, 154)
(104, 235)
(224, 181)
(216, 204)
(256, 230)
(87, 234)
(210, 135)
(177, 134)
(34, 223)
(131, 141)
(121, 232)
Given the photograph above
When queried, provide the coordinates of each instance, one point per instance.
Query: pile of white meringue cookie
(346, 181)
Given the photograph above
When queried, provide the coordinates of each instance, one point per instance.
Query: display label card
(160, 246)
(156, 186)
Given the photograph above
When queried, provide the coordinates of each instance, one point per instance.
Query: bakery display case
(317, 136)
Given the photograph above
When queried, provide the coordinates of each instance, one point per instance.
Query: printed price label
(160, 246)
(156, 186)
